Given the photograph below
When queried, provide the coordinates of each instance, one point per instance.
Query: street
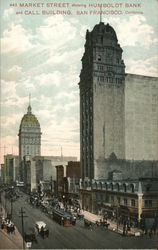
(75, 237)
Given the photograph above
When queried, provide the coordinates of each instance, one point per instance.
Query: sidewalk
(113, 226)
(10, 241)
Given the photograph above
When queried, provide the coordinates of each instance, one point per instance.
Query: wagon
(39, 225)
(42, 230)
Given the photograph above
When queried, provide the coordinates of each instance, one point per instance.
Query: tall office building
(29, 135)
(118, 111)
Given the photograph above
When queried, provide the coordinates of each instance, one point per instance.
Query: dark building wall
(129, 169)
(60, 179)
(73, 169)
(39, 167)
(101, 99)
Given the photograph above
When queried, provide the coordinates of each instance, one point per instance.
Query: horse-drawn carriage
(41, 229)
(30, 238)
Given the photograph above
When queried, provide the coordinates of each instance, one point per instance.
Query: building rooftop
(29, 118)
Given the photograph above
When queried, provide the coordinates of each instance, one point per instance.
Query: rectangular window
(148, 203)
(101, 197)
(100, 67)
(99, 57)
(125, 201)
(112, 199)
(109, 68)
(107, 198)
(133, 203)
(100, 78)
(110, 79)
(118, 200)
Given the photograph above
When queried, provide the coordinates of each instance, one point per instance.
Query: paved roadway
(77, 236)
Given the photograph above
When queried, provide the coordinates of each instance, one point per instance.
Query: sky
(41, 54)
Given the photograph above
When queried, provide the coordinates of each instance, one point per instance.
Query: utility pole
(22, 223)
(5, 202)
(11, 207)
(117, 218)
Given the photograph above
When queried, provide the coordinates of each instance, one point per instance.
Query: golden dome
(29, 119)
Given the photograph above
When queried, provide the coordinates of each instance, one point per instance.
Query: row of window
(109, 79)
(124, 201)
(109, 68)
(31, 151)
(107, 59)
(117, 187)
(30, 140)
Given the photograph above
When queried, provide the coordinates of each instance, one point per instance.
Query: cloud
(45, 59)
(8, 13)
(56, 32)
(134, 31)
(7, 88)
(16, 39)
(14, 72)
(8, 146)
(148, 67)
(49, 79)
(11, 120)
(83, 30)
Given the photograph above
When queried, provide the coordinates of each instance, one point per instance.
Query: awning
(107, 204)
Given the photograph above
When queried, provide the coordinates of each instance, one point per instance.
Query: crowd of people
(7, 225)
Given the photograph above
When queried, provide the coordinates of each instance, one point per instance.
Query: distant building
(29, 138)
(10, 168)
(68, 180)
(60, 180)
(2, 173)
(42, 168)
(50, 163)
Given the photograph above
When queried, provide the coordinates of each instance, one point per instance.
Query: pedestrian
(8, 229)
(123, 233)
(2, 225)
(13, 229)
(47, 233)
(90, 226)
(154, 229)
(150, 233)
(42, 232)
(62, 221)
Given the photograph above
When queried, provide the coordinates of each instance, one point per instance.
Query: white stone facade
(141, 117)
(29, 136)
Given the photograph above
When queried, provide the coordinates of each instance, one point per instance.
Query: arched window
(132, 188)
(99, 57)
(111, 186)
(106, 186)
(118, 187)
(124, 188)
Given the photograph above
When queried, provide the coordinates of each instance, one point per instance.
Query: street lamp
(64, 200)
